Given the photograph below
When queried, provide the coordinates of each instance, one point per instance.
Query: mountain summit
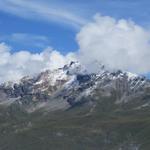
(68, 86)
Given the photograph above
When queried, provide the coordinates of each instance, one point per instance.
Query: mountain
(68, 86)
(71, 109)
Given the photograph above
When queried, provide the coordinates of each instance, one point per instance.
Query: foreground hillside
(103, 128)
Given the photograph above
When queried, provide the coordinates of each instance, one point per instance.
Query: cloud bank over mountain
(14, 66)
(118, 44)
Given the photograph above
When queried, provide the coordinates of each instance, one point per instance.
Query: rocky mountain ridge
(68, 86)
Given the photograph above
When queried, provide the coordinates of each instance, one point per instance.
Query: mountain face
(71, 109)
(68, 86)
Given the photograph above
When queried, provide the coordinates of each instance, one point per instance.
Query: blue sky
(35, 24)
(36, 35)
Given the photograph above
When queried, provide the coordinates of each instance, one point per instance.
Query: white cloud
(29, 39)
(119, 44)
(26, 39)
(14, 66)
(38, 10)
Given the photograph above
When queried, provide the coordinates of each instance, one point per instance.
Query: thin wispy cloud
(26, 39)
(30, 39)
(42, 11)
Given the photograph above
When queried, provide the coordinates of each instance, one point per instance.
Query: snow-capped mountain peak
(71, 84)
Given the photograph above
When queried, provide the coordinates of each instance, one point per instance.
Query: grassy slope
(107, 128)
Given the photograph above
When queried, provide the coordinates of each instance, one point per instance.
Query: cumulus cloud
(14, 66)
(118, 44)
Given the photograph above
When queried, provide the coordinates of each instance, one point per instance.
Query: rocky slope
(68, 86)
